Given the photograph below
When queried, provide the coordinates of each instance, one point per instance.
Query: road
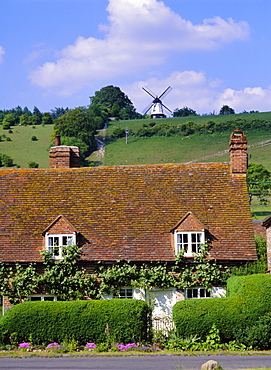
(133, 363)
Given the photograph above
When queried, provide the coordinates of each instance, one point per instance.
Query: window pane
(194, 248)
(50, 241)
(64, 240)
(35, 299)
(125, 293)
(189, 293)
(70, 240)
(56, 240)
(48, 298)
(129, 293)
(195, 293)
(202, 293)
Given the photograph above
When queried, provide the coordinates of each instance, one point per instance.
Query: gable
(189, 223)
(60, 226)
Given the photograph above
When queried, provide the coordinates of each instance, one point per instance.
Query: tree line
(76, 126)
(186, 112)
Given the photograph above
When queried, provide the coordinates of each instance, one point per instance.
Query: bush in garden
(96, 321)
(258, 336)
(248, 299)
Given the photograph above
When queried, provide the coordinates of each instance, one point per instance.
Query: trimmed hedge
(84, 321)
(248, 299)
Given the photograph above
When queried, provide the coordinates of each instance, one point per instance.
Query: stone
(211, 365)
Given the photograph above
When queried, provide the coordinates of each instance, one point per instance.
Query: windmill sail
(156, 106)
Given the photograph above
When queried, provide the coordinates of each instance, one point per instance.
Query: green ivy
(67, 280)
(181, 274)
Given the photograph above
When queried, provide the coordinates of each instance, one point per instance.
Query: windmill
(156, 106)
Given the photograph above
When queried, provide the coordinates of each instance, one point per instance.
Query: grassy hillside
(196, 148)
(22, 149)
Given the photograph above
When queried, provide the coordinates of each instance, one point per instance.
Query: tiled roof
(259, 228)
(125, 212)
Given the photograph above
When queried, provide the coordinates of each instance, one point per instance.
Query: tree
(184, 112)
(259, 182)
(37, 113)
(73, 141)
(57, 112)
(78, 123)
(33, 164)
(8, 121)
(112, 100)
(47, 119)
(24, 119)
(6, 160)
(225, 109)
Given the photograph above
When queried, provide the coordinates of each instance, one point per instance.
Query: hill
(209, 146)
(22, 149)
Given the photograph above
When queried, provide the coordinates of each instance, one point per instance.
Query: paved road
(133, 363)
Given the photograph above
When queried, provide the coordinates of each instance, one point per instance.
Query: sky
(58, 53)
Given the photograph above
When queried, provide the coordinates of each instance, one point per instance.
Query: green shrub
(258, 336)
(248, 299)
(6, 160)
(122, 320)
(33, 164)
(118, 132)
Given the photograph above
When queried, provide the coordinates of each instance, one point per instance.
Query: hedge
(126, 321)
(248, 298)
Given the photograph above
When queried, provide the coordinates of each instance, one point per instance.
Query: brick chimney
(238, 152)
(63, 156)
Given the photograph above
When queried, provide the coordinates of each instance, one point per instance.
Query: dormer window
(189, 242)
(58, 235)
(188, 235)
(56, 243)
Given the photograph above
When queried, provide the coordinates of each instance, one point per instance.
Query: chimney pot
(57, 140)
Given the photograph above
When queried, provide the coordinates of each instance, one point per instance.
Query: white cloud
(194, 90)
(250, 98)
(2, 53)
(140, 35)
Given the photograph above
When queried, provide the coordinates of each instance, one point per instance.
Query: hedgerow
(248, 299)
(190, 127)
(84, 321)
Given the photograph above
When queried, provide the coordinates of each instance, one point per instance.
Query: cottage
(140, 213)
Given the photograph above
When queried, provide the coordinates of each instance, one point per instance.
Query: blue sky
(57, 53)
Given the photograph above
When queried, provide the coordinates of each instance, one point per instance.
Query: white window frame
(125, 292)
(43, 298)
(197, 293)
(56, 242)
(189, 241)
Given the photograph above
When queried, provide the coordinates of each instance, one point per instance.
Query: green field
(22, 149)
(149, 150)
